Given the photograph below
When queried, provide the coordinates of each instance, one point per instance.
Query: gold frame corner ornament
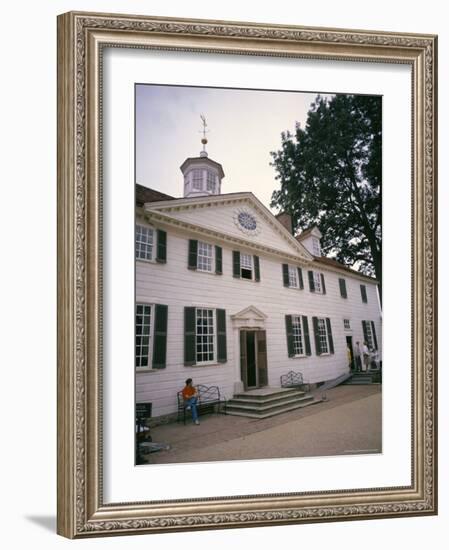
(81, 37)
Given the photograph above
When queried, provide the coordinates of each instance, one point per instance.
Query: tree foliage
(331, 175)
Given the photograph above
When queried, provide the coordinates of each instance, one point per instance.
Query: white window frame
(293, 277)
(149, 356)
(249, 266)
(316, 247)
(144, 230)
(322, 324)
(197, 179)
(211, 338)
(317, 282)
(200, 264)
(347, 324)
(298, 336)
(211, 181)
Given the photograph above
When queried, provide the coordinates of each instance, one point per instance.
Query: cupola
(202, 175)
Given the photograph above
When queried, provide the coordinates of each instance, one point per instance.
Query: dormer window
(316, 247)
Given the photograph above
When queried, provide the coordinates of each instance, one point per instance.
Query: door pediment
(250, 317)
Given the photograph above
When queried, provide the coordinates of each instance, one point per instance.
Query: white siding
(175, 285)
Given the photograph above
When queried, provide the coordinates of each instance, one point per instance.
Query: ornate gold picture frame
(82, 509)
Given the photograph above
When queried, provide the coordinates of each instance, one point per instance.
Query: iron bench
(292, 379)
(209, 397)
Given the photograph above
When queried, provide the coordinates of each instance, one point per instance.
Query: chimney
(286, 220)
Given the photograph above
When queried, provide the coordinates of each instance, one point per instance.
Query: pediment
(250, 313)
(229, 215)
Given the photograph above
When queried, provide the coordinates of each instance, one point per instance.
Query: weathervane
(204, 140)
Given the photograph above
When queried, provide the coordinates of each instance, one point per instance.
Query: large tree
(330, 173)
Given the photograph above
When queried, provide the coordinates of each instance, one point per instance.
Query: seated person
(190, 396)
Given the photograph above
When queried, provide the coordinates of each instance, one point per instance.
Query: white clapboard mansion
(228, 296)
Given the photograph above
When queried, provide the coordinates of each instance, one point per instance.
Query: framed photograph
(246, 274)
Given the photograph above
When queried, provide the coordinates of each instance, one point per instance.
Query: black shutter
(323, 286)
(342, 284)
(329, 335)
(373, 329)
(221, 336)
(365, 332)
(218, 260)
(193, 253)
(189, 336)
(305, 326)
(363, 292)
(236, 263)
(256, 268)
(160, 336)
(311, 282)
(161, 246)
(300, 279)
(289, 332)
(285, 274)
(317, 335)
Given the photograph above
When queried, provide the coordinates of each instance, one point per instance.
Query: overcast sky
(244, 126)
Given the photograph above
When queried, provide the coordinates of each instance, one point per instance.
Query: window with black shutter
(323, 286)
(305, 324)
(236, 264)
(373, 328)
(221, 336)
(322, 329)
(245, 266)
(311, 281)
(285, 277)
(300, 279)
(256, 268)
(161, 247)
(189, 336)
(363, 293)
(289, 333)
(343, 292)
(218, 260)
(160, 336)
(193, 253)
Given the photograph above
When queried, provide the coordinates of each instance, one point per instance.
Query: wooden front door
(253, 358)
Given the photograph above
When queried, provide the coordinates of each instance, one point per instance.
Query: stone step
(242, 405)
(272, 398)
(266, 393)
(282, 410)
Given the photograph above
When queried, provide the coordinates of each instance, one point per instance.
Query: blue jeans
(192, 404)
